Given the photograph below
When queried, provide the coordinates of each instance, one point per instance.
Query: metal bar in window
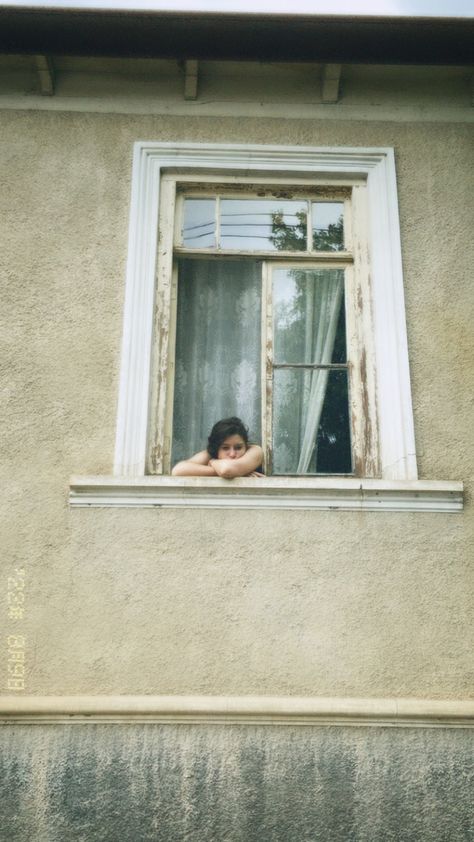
(336, 366)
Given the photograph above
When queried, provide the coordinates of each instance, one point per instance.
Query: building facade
(270, 659)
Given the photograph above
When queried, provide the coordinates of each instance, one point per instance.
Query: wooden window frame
(382, 323)
(175, 189)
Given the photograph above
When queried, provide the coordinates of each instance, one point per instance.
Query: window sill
(341, 493)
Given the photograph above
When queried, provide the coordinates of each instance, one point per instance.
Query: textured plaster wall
(207, 784)
(149, 601)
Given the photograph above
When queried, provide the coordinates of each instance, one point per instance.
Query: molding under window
(238, 710)
(377, 167)
(336, 493)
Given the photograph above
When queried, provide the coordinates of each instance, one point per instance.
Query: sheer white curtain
(217, 350)
(326, 313)
(307, 307)
(218, 354)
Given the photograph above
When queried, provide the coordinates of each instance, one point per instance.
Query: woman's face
(232, 447)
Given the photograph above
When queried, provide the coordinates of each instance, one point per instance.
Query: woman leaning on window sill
(228, 454)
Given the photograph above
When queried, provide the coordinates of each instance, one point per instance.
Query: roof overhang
(230, 36)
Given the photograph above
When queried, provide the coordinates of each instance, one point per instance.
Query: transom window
(263, 300)
(262, 224)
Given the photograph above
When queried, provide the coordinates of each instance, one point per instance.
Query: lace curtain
(217, 350)
(307, 317)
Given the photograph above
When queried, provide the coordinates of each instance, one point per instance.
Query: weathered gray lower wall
(235, 783)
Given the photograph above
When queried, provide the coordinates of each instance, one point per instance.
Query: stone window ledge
(341, 493)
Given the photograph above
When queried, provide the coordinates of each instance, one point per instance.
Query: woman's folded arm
(241, 467)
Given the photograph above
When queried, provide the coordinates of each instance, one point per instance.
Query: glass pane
(328, 226)
(217, 370)
(309, 316)
(199, 223)
(311, 432)
(264, 224)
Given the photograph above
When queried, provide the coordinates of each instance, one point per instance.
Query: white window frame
(377, 166)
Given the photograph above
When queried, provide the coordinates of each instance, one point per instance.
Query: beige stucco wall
(150, 601)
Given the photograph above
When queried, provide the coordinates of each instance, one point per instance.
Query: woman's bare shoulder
(201, 458)
(255, 450)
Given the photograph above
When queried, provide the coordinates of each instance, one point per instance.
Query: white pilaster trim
(392, 372)
(396, 433)
(336, 493)
(239, 710)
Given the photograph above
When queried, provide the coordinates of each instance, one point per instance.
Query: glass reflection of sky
(262, 224)
(199, 224)
(250, 223)
(327, 221)
(324, 214)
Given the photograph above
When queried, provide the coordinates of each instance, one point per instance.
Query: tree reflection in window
(328, 237)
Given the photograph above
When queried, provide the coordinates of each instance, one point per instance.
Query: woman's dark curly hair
(222, 430)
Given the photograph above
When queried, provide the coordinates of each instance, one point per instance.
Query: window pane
(217, 350)
(199, 225)
(264, 224)
(328, 226)
(309, 316)
(311, 432)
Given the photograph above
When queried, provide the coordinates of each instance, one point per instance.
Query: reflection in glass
(328, 226)
(301, 398)
(263, 224)
(308, 316)
(199, 224)
(218, 347)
